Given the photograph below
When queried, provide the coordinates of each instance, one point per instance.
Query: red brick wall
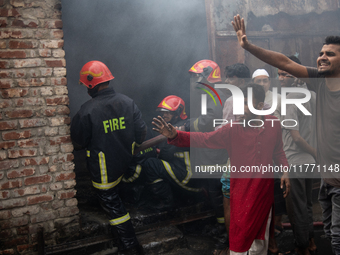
(36, 169)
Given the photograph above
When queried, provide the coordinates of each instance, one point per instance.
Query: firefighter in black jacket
(109, 126)
(172, 167)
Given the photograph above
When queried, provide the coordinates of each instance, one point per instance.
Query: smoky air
(148, 45)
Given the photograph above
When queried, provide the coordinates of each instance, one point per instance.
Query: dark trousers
(299, 208)
(119, 218)
(329, 198)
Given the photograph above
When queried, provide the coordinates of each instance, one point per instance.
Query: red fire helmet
(94, 73)
(209, 70)
(173, 104)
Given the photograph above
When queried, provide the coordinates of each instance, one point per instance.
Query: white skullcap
(260, 72)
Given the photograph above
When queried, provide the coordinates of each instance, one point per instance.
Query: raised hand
(240, 30)
(164, 128)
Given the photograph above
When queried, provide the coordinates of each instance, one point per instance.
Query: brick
(6, 83)
(23, 230)
(53, 24)
(10, 93)
(6, 235)
(3, 44)
(17, 3)
(16, 135)
(71, 202)
(4, 12)
(43, 169)
(57, 204)
(27, 44)
(45, 53)
(34, 101)
(52, 44)
(12, 54)
(15, 114)
(8, 164)
(25, 23)
(36, 142)
(5, 215)
(55, 62)
(34, 62)
(55, 34)
(12, 203)
(58, 53)
(15, 34)
(5, 103)
(50, 112)
(22, 153)
(65, 148)
(28, 210)
(4, 64)
(51, 131)
(68, 211)
(2, 175)
(70, 184)
(37, 179)
(27, 248)
(60, 140)
(66, 194)
(52, 150)
(68, 166)
(65, 176)
(36, 161)
(6, 145)
(60, 100)
(20, 173)
(64, 158)
(34, 82)
(32, 123)
(26, 191)
(3, 22)
(19, 102)
(3, 155)
(16, 241)
(59, 71)
(56, 186)
(8, 125)
(38, 13)
(46, 72)
(11, 184)
(4, 195)
(58, 121)
(39, 199)
(61, 90)
(46, 91)
(46, 216)
(59, 81)
(13, 73)
(7, 252)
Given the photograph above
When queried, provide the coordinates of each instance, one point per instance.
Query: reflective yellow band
(133, 148)
(135, 175)
(196, 125)
(158, 180)
(106, 185)
(102, 166)
(120, 220)
(220, 220)
(186, 157)
(173, 176)
(88, 153)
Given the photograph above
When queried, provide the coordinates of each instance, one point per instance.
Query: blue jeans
(329, 198)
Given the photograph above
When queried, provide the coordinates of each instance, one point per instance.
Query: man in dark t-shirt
(324, 80)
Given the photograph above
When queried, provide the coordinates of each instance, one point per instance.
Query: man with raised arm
(252, 145)
(324, 80)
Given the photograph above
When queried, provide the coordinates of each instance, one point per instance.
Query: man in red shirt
(252, 144)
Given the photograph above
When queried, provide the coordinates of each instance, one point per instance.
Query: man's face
(169, 117)
(286, 80)
(264, 81)
(234, 80)
(329, 60)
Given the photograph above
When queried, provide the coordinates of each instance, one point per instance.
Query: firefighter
(172, 167)
(203, 75)
(109, 126)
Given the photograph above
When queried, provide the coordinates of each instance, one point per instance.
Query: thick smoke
(149, 46)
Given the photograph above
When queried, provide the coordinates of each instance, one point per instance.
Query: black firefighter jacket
(109, 126)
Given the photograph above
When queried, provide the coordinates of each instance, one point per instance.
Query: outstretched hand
(164, 128)
(240, 30)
